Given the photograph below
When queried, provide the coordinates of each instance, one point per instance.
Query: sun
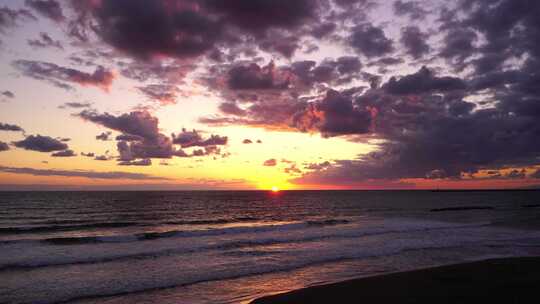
(275, 189)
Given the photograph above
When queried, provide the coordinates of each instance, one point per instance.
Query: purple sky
(238, 94)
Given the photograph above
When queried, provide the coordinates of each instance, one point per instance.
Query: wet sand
(512, 280)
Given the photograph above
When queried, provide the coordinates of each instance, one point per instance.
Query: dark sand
(512, 280)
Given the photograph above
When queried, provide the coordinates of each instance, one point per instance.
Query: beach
(512, 279)
(233, 247)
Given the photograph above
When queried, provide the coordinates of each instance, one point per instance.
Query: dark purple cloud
(104, 136)
(89, 154)
(62, 76)
(75, 105)
(423, 81)
(231, 108)
(334, 115)
(317, 166)
(80, 173)
(138, 123)
(412, 9)
(3, 146)
(9, 17)
(370, 41)
(259, 16)
(65, 153)
(459, 45)
(162, 93)
(41, 144)
(48, 8)
(8, 94)
(103, 157)
(178, 28)
(142, 162)
(193, 138)
(10, 127)
(141, 138)
(254, 77)
(45, 41)
(128, 137)
(415, 41)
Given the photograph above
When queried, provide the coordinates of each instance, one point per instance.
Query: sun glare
(275, 189)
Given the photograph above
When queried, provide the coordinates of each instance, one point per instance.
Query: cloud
(292, 169)
(142, 124)
(65, 153)
(103, 157)
(276, 97)
(188, 28)
(8, 94)
(75, 105)
(415, 41)
(193, 138)
(41, 144)
(163, 93)
(142, 162)
(332, 116)
(411, 9)
(270, 162)
(48, 8)
(370, 41)
(104, 136)
(255, 78)
(128, 137)
(177, 30)
(10, 127)
(45, 41)
(80, 173)
(141, 138)
(247, 141)
(138, 123)
(3, 146)
(423, 81)
(9, 17)
(459, 45)
(317, 166)
(259, 16)
(159, 147)
(89, 154)
(62, 76)
(231, 108)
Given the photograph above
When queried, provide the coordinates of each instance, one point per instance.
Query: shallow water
(230, 247)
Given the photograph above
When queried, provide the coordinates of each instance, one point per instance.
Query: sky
(255, 94)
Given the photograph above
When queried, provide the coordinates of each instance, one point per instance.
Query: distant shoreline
(513, 279)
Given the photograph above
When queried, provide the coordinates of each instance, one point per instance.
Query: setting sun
(275, 189)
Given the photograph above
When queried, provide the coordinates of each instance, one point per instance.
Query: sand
(511, 280)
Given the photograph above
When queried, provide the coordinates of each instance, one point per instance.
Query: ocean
(234, 246)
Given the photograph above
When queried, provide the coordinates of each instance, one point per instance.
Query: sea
(234, 246)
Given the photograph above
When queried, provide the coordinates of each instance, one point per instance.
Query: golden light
(275, 189)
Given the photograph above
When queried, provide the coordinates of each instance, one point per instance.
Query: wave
(296, 233)
(464, 208)
(51, 228)
(58, 226)
(179, 279)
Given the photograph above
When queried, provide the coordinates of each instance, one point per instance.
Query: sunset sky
(294, 94)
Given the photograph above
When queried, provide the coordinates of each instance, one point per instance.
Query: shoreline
(513, 279)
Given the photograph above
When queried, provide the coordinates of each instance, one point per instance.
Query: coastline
(513, 279)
